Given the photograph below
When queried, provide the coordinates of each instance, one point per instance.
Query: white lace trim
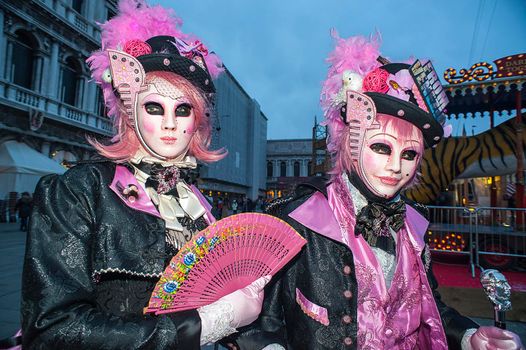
(183, 161)
(110, 269)
(466, 339)
(215, 321)
(387, 263)
(358, 200)
(427, 258)
(273, 347)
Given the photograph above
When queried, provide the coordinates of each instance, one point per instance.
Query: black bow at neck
(163, 179)
(375, 220)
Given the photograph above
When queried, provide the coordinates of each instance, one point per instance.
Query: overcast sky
(276, 48)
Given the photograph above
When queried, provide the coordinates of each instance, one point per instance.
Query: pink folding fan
(228, 255)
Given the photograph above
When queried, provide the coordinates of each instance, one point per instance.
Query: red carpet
(449, 275)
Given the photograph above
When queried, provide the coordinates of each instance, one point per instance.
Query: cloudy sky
(276, 48)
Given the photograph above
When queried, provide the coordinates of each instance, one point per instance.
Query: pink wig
(138, 21)
(125, 142)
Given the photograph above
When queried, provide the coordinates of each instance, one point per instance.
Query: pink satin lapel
(123, 178)
(417, 225)
(316, 214)
(209, 217)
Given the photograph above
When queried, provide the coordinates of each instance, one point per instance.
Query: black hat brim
(179, 65)
(387, 104)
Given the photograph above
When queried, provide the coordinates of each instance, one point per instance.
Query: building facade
(46, 99)
(240, 127)
(48, 103)
(288, 162)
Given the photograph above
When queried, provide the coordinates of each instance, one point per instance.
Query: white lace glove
(273, 347)
(237, 309)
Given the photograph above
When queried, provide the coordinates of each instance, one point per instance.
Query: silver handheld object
(498, 291)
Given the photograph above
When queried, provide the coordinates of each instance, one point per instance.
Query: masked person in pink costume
(102, 233)
(364, 281)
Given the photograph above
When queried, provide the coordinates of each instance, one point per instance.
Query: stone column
(303, 168)
(37, 77)
(89, 104)
(3, 51)
(81, 88)
(88, 9)
(52, 74)
(9, 61)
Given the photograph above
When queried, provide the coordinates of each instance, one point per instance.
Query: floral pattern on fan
(226, 256)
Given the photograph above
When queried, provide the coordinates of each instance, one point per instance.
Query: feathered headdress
(148, 34)
(360, 83)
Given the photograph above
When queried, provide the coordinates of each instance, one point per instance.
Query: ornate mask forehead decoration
(409, 92)
(161, 53)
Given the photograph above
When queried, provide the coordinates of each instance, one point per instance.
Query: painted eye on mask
(409, 155)
(380, 148)
(154, 108)
(183, 110)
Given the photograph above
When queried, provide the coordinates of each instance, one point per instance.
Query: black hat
(174, 55)
(424, 106)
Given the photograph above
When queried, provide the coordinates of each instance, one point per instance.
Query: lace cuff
(215, 321)
(465, 343)
(273, 347)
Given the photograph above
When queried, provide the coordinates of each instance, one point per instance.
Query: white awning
(21, 167)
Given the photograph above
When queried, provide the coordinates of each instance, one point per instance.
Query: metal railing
(493, 237)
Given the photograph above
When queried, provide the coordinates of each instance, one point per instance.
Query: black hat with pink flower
(409, 92)
(168, 53)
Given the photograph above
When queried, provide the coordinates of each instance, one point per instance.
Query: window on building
(23, 59)
(71, 78)
(77, 5)
(110, 14)
(101, 108)
(270, 169)
(296, 169)
(283, 169)
(309, 170)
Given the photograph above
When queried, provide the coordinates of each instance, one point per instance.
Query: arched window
(270, 169)
(296, 169)
(71, 78)
(23, 59)
(283, 169)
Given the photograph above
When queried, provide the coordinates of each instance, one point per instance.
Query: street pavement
(12, 243)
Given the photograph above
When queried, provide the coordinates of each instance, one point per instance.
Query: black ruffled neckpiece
(375, 220)
(163, 179)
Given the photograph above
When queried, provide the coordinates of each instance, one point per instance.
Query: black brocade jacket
(325, 270)
(91, 264)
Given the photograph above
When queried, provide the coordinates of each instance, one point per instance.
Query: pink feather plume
(137, 20)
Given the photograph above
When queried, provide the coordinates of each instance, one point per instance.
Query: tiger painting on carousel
(490, 153)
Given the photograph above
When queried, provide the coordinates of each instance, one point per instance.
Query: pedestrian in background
(23, 207)
(234, 206)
